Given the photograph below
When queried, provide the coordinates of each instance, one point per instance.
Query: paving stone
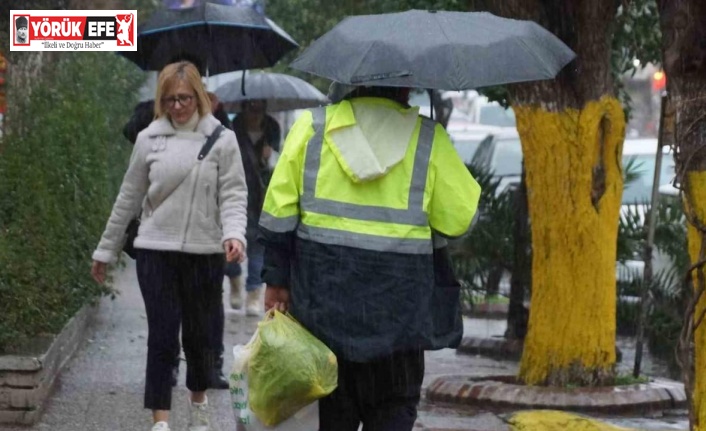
(486, 391)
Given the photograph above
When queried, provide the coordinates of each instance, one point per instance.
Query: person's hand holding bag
(234, 250)
(276, 297)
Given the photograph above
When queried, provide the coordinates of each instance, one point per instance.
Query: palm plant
(667, 293)
(481, 257)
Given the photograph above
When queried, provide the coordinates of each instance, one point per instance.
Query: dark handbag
(445, 303)
(134, 225)
(131, 234)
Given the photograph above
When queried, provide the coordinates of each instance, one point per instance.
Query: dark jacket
(257, 171)
(222, 116)
(337, 317)
(143, 115)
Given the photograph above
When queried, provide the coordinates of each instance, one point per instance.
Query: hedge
(58, 180)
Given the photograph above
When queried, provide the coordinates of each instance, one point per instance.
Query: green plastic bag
(289, 369)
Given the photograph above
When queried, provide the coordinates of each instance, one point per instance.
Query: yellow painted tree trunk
(683, 40)
(574, 186)
(697, 202)
(551, 420)
(572, 129)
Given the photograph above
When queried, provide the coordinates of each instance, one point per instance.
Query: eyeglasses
(183, 99)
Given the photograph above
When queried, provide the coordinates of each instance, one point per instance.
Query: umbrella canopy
(281, 92)
(217, 38)
(435, 50)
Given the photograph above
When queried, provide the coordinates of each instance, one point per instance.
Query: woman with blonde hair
(193, 209)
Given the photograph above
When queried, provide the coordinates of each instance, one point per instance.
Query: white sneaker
(198, 416)
(160, 426)
(255, 305)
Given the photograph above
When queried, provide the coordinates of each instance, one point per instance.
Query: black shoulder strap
(210, 141)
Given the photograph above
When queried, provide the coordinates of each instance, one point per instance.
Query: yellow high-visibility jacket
(359, 193)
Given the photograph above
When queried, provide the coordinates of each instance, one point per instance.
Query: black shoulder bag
(134, 225)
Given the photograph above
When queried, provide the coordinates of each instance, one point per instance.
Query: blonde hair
(169, 78)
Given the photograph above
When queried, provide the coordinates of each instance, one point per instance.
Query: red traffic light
(659, 81)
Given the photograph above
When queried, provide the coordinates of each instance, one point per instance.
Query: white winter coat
(187, 205)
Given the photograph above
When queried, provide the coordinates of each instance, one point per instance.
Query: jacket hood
(163, 127)
(370, 135)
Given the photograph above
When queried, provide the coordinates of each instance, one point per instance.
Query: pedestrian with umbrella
(259, 135)
(366, 191)
(216, 39)
(352, 256)
(142, 117)
(186, 177)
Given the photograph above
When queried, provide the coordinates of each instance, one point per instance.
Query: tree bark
(24, 68)
(572, 130)
(517, 314)
(684, 61)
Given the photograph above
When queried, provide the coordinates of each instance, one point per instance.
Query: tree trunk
(517, 314)
(684, 60)
(694, 379)
(572, 129)
(574, 185)
(495, 276)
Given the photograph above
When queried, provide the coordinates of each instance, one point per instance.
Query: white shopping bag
(306, 419)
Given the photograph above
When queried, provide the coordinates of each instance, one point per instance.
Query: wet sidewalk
(101, 388)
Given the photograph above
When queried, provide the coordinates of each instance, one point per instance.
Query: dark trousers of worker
(180, 290)
(381, 394)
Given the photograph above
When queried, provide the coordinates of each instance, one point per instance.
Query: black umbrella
(281, 92)
(435, 50)
(215, 37)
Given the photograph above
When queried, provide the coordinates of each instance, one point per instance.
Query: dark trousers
(382, 394)
(184, 291)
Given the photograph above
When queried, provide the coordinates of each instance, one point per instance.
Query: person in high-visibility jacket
(361, 190)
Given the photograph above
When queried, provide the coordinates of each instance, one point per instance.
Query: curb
(500, 392)
(26, 380)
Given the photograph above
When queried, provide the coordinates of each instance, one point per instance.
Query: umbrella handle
(242, 84)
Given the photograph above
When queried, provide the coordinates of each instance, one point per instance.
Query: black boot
(217, 379)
